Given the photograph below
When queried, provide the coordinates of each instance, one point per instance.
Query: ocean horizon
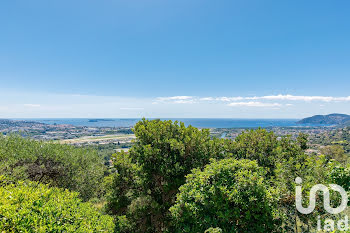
(196, 122)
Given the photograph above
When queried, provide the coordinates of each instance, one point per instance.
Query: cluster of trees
(173, 179)
(63, 166)
(45, 186)
(179, 179)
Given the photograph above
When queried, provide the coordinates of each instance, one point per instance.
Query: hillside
(331, 119)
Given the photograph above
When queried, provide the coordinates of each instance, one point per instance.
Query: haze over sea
(196, 122)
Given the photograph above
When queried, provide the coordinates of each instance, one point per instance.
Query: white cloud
(229, 99)
(254, 104)
(207, 99)
(194, 99)
(35, 105)
(32, 105)
(300, 98)
(184, 102)
(176, 99)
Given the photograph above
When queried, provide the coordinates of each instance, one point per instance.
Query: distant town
(120, 138)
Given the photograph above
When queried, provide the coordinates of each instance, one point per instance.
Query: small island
(98, 120)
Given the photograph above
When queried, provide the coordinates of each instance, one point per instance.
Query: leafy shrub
(229, 194)
(34, 207)
(64, 166)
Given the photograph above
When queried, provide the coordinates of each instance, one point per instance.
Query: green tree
(229, 194)
(264, 147)
(285, 159)
(148, 178)
(303, 140)
(313, 169)
(122, 184)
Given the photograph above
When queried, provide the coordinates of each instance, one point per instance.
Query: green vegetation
(335, 152)
(339, 137)
(63, 166)
(33, 207)
(173, 179)
(156, 166)
(151, 180)
(230, 194)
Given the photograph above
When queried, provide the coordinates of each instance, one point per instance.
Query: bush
(64, 166)
(229, 194)
(33, 207)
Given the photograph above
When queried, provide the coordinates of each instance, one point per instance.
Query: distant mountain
(331, 119)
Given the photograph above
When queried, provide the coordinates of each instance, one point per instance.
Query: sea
(196, 122)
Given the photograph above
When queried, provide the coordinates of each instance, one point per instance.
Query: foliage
(34, 207)
(148, 178)
(339, 136)
(335, 152)
(284, 159)
(303, 140)
(230, 194)
(313, 169)
(64, 166)
(228, 186)
(119, 196)
(341, 176)
(264, 147)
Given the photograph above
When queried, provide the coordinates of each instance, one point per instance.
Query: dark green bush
(63, 166)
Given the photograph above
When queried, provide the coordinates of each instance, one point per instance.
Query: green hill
(331, 119)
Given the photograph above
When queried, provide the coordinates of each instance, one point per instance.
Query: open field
(122, 138)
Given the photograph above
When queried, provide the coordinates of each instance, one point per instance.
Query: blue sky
(165, 58)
